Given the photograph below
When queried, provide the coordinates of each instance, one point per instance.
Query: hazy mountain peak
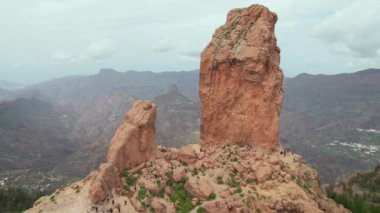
(108, 71)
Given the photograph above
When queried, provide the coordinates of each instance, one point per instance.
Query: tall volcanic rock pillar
(241, 81)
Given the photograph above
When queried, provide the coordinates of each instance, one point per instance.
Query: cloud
(99, 50)
(163, 46)
(62, 57)
(96, 50)
(191, 51)
(353, 30)
(315, 36)
(15, 65)
(54, 7)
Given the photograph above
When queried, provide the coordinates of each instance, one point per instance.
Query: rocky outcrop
(216, 186)
(104, 182)
(241, 81)
(135, 140)
(133, 143)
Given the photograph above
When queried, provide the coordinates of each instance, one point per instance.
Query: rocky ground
(193, 179)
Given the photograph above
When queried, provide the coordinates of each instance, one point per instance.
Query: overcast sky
(44, 39)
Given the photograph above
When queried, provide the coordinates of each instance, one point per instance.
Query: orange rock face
(135, 140)
(104, 182)
(241, 82)
(133, 143)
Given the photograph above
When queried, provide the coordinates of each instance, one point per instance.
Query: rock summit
(241, 81)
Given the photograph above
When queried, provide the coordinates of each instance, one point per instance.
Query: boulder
(135, 140)
(263, 172)
(287, 178)
(218, 206)
(241, 82)
(179, 173)
(150, 186)
(188, 154)
(162, 206)
(199, 188)
(162, 167)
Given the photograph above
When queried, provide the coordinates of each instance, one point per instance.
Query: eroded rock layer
(241, 81)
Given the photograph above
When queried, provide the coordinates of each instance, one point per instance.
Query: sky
(45, 39)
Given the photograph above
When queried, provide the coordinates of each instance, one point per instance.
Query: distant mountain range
(334, 121)
(65, 125)
(10, 85)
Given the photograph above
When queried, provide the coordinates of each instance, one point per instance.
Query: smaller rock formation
(133, 143)
(135, 140)
(241, 82)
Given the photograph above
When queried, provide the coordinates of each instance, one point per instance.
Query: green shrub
(161, 193)
(131, 180)
(200, 210)
(181, 198)
(250, 181)
(212, 196)
(354, 203)
(126, 187)
(142, 193)
(238, 190)
(170, 181)
(195, 172)
(233, 183)
(219, 180)
(17, 200)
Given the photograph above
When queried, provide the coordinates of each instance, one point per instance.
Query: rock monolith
(241, 81)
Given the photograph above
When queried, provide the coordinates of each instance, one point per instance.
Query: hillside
(333, 121)
(177, 119)
(10, 85)
(6, 94)
(358, 191)
(33, 141)
(33, 135)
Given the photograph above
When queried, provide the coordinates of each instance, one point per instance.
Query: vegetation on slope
(16, 199)
(354, 203)
(359, 192)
